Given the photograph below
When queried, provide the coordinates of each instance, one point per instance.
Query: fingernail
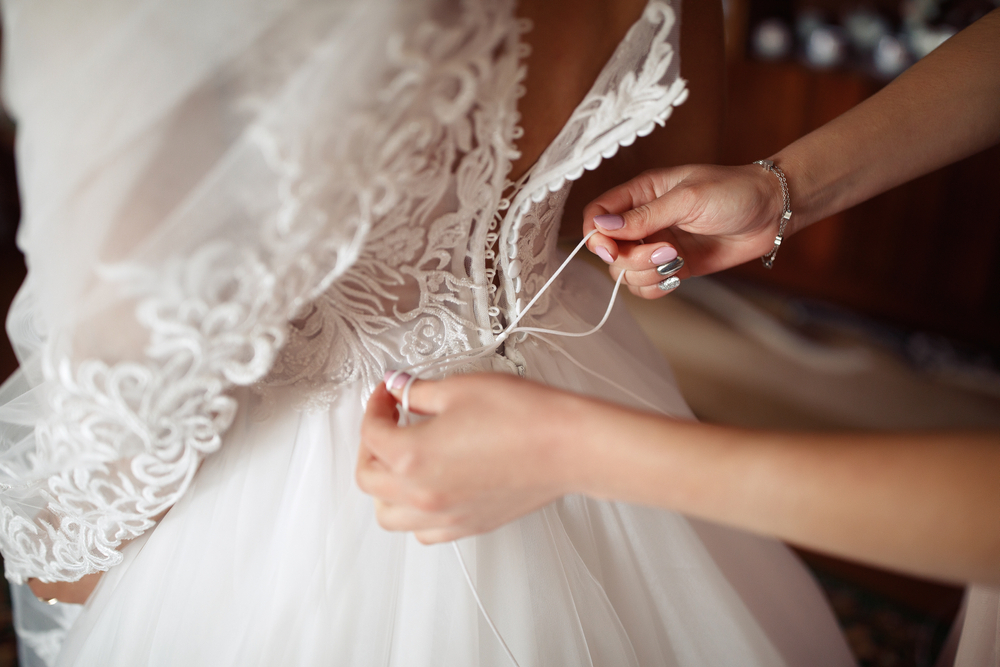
(604, 254)
(670, 284)
(609, 221)
(663, 255)
(395, 379)
(671, 267)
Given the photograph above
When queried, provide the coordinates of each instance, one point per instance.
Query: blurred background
(923, 256)
(886, 316)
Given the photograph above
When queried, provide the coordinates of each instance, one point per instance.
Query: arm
(923, 503)
(944, 108)
(75, 592)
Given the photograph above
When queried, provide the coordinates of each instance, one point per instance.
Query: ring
(669, 284)
(671, 267)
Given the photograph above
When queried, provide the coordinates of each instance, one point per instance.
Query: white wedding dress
(238, 215)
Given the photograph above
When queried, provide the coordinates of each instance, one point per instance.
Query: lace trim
(612, 115)
(369, 289)
(125, 439)
(420, 287)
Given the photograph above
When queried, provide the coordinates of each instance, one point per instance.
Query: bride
(238, 216)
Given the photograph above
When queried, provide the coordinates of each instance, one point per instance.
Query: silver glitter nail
(670, 284)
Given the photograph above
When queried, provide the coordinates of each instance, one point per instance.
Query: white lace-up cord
(552, 279)
(611, 382)
(443, 363)
(482, 607)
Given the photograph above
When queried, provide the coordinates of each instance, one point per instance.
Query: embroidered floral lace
(291, 195)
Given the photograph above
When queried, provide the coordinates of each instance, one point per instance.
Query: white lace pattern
(373, 252)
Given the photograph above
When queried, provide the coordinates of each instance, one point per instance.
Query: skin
(569, 46)
(924, 503)
(76, 592)
(718, 217)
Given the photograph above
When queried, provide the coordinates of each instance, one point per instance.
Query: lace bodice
(332, 236)
(447, 280)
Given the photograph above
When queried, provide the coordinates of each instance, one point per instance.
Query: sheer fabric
(979, 643)
(238, 215)
(228, 165)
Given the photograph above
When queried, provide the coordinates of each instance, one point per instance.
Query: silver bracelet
(786, 213)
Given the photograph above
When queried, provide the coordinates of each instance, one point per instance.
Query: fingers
(646, 264)
(626, 212)
(381, 408)
(651, 270)
(421, 517)
(427, 527)
(603, 247)
(407, 517)
(382, 440)
(375, 479)
(380, 421)
(660, 289)
(632, 211)
(381, 436)
(441, 535)
(426, 397)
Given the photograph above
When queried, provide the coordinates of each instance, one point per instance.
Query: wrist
(769, 193)
(815, 187)
(560, 456)
(621, 454)
(784, 214)
(586, 446)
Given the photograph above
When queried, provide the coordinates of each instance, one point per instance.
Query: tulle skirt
(274, 557)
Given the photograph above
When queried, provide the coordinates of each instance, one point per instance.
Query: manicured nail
(604, 254)
(395, 380)
(670, 284)
(609, 221)
(663, 254)
(671, 267)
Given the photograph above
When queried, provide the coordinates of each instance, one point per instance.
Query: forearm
(944, 108)
(924, 503)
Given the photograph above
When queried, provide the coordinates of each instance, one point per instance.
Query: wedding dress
(237, 216)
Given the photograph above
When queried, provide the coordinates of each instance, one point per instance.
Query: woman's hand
(712, 217)
(488, 449)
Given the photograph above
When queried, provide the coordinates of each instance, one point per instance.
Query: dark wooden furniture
(924, 256)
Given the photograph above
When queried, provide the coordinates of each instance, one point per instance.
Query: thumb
(637, 208)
